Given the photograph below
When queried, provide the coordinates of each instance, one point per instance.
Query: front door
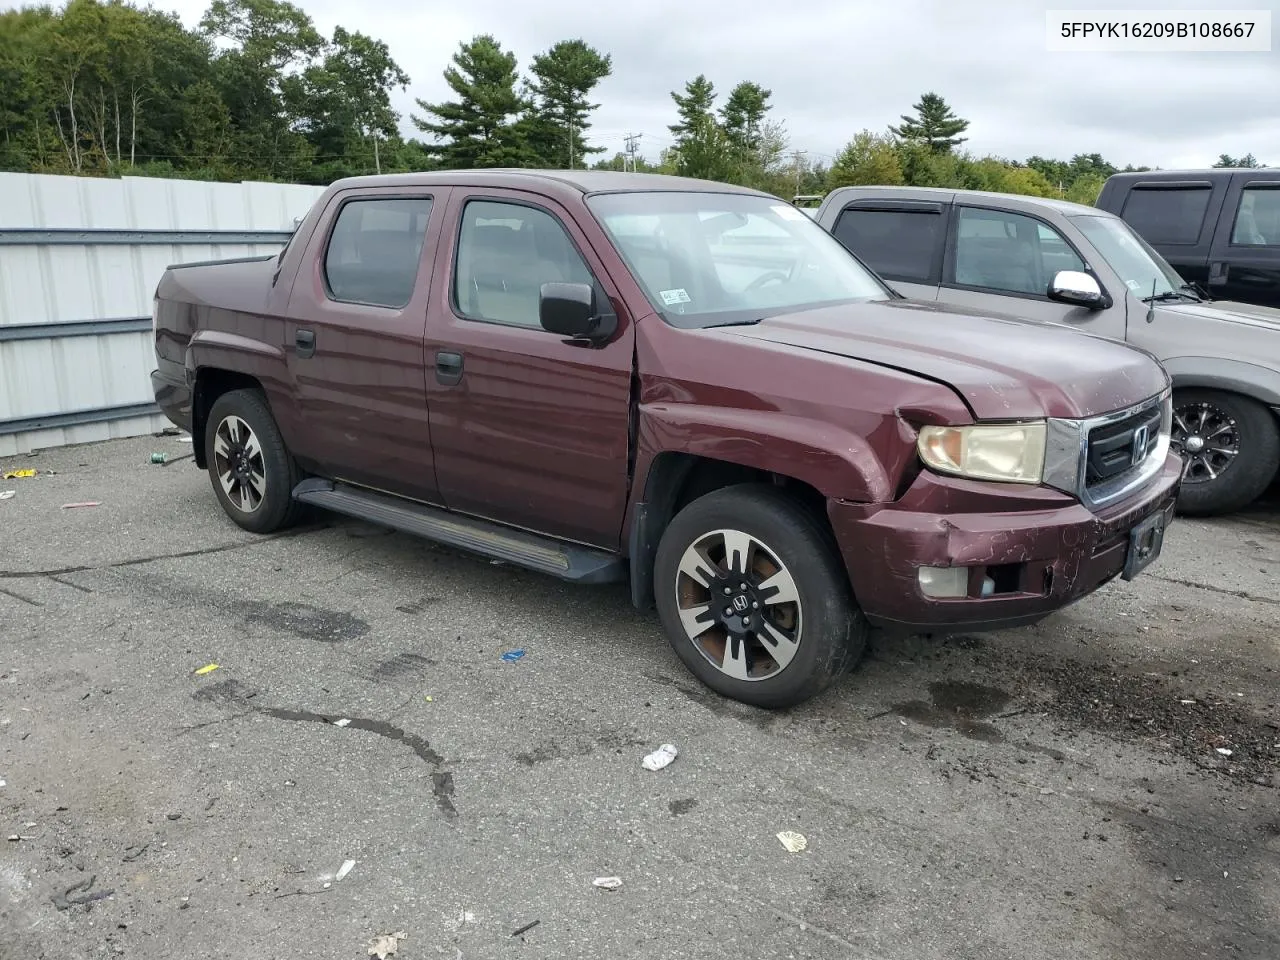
(354, 339)
(528, 429)
(1000, 261)
(1244, 263)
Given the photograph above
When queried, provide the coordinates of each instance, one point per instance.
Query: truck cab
(1219, 228)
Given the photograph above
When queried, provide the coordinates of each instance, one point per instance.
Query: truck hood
(1227, 311)
(1004, 369)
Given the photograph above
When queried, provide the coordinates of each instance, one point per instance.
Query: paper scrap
(344, 869)
(86, 503)
(607, 883)
(385, 944)
(1224, 751)
(794, 842)
(19, 474)
(341, 723)
(207, 668)
(7, 494)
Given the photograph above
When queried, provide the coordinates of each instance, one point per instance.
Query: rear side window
(897, 244)
(1258, 218)
(375, 249)
(1167, 216)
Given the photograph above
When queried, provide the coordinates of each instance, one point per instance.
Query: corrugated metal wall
(79, 261)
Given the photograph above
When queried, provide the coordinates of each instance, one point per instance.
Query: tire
(790, 552)
(273, 508)
(1234, 422)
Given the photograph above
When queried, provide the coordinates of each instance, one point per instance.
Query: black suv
(1218, 228)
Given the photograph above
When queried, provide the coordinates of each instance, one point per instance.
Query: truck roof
(944, 193)
(1200, 173)
(579, 181)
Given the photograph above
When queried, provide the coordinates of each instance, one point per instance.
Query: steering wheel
(764, 278)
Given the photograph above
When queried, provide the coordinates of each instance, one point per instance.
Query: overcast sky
(838, 66)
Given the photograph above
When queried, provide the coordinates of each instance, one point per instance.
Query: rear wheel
(251, 470)
(754, 599)
(1231, 447)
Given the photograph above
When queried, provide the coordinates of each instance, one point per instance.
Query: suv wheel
(252, 472)
(1231, 446)
(754, 598)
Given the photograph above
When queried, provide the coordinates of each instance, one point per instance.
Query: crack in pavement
(1240, 594)
(232, 692)
(136, 561)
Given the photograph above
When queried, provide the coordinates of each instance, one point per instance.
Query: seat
(997, 264)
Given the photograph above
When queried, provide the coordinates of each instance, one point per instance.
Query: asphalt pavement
(1100, 786)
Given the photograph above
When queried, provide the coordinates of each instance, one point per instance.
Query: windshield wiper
(1198, 291)
(1169, 296)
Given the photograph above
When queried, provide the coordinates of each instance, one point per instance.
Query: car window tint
(1258, 217)
(1167, 216)
(374, 250)
(506, 252)
(897, 244)
(1009, 252)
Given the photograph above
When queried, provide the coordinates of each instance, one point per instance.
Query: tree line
(255, 91)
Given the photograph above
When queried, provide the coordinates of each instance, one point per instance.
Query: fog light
(944, 581)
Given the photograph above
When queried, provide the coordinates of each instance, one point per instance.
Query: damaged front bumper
(1026, 551)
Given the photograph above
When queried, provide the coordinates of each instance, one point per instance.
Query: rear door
(901, 240)
(1177, 217)
(1245, 261)
(355, 339)
(1002, 261)
(528, 429)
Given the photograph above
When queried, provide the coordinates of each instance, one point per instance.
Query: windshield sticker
(788, 213)
(672, 297)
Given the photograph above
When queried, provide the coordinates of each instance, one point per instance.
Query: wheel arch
(210, 384)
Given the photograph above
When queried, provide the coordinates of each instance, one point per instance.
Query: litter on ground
(7, 494)
(85, 503)
(207, 668)
(344, 869)
(794, 842)
(660, 757)
(19, 474)
(341, 723)
(607, 883)
(511, 656)
(385, 944)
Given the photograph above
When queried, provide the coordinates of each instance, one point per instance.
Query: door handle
(305, 340)
(448, 367)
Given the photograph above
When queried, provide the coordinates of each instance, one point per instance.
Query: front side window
(1258, 218)
(1167, 215)
(1009, 252)
(707, 259)
(1138, 266)
(374, 250)
(897, 244)
(506, 252)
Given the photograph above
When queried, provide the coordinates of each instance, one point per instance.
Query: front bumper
(173, 397)
(1044, 549)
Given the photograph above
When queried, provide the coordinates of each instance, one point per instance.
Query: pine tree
(934, 125)
(695, 104)
(479, 127)
(564, 77)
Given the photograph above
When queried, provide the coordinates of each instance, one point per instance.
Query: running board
(529, 550)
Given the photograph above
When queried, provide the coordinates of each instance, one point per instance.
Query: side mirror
(569, 309)
(1076, 288)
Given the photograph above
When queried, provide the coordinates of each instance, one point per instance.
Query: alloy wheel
(238, 461)
(1208, 439)
(739, 605)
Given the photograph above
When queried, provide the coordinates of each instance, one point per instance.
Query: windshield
(707, 259)
(1143, 270)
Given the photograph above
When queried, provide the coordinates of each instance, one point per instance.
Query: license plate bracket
(1145, 543)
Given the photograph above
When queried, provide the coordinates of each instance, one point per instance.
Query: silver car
(1057, 262)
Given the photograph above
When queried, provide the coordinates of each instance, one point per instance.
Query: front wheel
(1231, 447)
(754, 599)
(251, 470)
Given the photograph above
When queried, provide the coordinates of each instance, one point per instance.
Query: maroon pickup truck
(686, 386)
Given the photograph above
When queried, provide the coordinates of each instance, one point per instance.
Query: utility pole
(797, 156)
(629, 158)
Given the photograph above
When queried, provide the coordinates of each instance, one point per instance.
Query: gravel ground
(1059, 791)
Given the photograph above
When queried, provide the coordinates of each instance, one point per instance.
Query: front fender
(837, 462)
(1219, 373)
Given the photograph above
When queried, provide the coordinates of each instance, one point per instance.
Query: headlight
(1012, 452)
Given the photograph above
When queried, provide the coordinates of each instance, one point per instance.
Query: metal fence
(79, 261)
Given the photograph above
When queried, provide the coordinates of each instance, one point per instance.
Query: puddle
(960, 706)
